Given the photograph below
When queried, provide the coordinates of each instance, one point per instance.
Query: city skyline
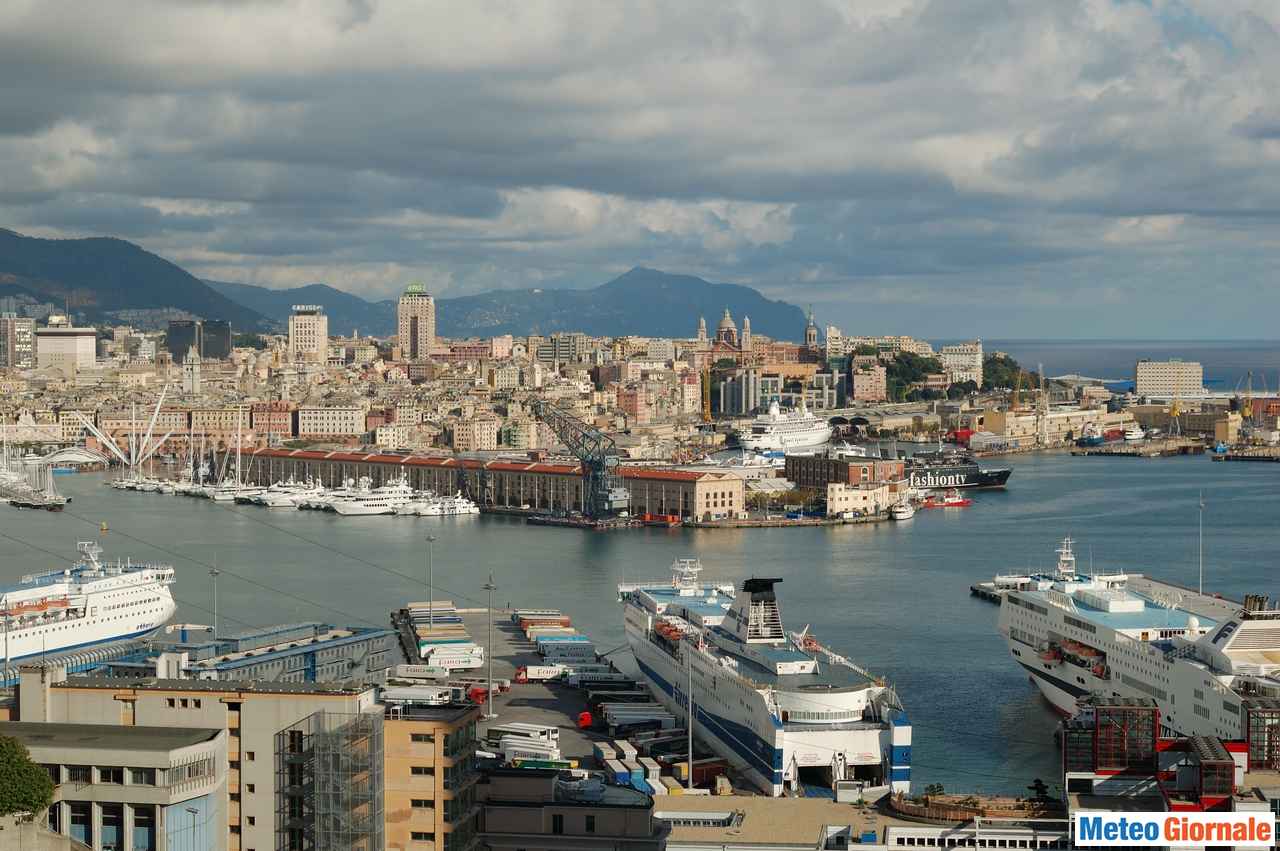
(1080, 170)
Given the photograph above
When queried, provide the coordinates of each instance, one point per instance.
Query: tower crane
(603, 493)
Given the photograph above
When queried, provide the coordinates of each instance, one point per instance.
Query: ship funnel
(754, 615)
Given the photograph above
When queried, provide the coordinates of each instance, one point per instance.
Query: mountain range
(100, 276)
(642, 302)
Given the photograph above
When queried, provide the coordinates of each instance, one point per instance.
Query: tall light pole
(194, 812)
(490, 587)
(213, 574)
(1201, 542)
(431, 600)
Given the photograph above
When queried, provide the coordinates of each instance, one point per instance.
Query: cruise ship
(794, 429)
(783, 709)
(1208, 662)
(86, 604)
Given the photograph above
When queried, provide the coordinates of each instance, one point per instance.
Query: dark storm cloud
(888, 152)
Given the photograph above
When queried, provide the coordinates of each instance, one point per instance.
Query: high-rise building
(1168, 378)
(416, 320)
(183, 336)
(216, 343)
(308, 334)
(63, 346)
(17, 341)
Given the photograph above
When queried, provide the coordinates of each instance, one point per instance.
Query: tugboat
(951, 499)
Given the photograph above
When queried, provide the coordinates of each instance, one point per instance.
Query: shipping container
(538, 673)
(518, 614)
(420, 672)
(541, 732)
(603, 752)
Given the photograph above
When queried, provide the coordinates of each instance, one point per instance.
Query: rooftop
(785, 822)
(106, 736)
(1152, 616)
(211, 686)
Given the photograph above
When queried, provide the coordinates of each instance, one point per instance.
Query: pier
(1250, 453)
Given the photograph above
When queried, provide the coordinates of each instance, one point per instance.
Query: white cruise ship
(782, 709)
(1208, 662)
(794, 429)
(86, 604)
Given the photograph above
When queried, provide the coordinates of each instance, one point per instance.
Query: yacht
(782, 708)
(1134, 433)
(86, 604)
(903, 510)
(449, 506)
(1212, 665)
(794, 429)
(386, 499)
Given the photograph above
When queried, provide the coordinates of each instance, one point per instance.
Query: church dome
(726, 324)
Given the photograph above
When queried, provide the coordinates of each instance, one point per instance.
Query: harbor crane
(603, 493)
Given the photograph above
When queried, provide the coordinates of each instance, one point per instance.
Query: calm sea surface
(892, 596)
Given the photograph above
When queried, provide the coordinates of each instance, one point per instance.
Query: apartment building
(869, 383)
(962, 361)
(343, 421)
(308, 334)
(476, 433)
(1168, 378)
(416, 322)
(17, 341)
(429, 780)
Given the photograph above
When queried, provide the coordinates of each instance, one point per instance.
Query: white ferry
(1208, 662)
(795, 429)
(782, 709)
(86, 604)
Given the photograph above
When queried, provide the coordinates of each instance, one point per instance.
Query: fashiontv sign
(1243, 830)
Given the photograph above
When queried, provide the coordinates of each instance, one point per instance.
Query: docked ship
(783, 709)
(86, 604)
(785, 430)
(940, 470)
(1212, 665)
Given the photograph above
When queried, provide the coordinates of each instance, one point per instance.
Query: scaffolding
(329, 787)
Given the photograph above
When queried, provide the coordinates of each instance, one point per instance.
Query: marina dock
(1250, 453)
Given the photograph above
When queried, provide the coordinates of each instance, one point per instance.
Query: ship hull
(958, 476)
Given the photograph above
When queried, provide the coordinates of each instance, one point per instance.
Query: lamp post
(431, 605)
(1201, 542)
(490, 587)
(213, 574)
(194, 812)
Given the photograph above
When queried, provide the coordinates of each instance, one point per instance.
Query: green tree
(24, 786)
(866, 349)
(249, 341)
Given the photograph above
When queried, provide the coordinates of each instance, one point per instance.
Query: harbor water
(893, 596)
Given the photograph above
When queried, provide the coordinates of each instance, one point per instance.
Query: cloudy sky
(1010, 168)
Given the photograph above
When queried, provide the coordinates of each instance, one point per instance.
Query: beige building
(430, 785)
(345, 421)
(962, 361)
(142, 788)
(866, 498)
(1059, 426)
(62, 346)
(17, 341)
(870, 384)
(416, 322)
(524, 809)
(1168, 378)
(308, 334)
(477, 433)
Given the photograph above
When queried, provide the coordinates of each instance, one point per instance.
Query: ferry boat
(938, 470)
(1209, 663)
(86, 604)
(781, 708)
(794, 429)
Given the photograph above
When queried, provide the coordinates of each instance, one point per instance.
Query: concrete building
(17, 341)
(962, 362)
(256, 719)
(217, 339)
(864, 498)
(308, 334)
(143, 788)
(816, 472)
(273, 419)
(1060, 425)
(416, 322)
(524, 809)
(183, 336)
(1168, 378)
(62, 346)
(869, 384)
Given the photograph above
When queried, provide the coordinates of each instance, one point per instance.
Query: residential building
(1168, 378)
(273, 419)
(17, 341)
(869, 384)
(962, 361)
(142, 788)
(60, 345)
(815, 471)
(316, 422)
(416, 322)
(308, 334)
(863, 498)
(532, 809)
(476, 433)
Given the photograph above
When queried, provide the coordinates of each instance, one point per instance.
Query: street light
(490, 587)
(194, 812)
(213, 574)
(431, 606)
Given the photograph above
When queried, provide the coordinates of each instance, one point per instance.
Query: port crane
(603, 493)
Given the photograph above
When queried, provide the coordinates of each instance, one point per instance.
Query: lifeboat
(1051, 654)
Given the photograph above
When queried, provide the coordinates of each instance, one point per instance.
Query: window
(170, 702)
(110, 774)
(252, 821)
(196, 702)
(183, 702)
(249, 787)
(142, 776)
(423, 804)
(422, 738)
(591, 824)
(79, 774)
(249, 754)
(420, 836)
(557, 824)
(422, 771)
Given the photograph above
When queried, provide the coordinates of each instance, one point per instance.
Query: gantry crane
(603, 493)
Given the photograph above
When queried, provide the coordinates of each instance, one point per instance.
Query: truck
(539, 732)
(538, 673)
(584, 679)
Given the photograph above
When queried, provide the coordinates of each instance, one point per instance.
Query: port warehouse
(540, 486)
